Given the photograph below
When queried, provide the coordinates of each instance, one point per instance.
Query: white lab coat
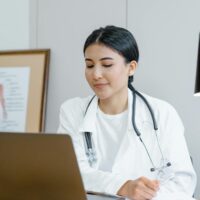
(131, 161)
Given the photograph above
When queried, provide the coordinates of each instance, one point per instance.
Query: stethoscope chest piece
(90, 151)
(92, 159)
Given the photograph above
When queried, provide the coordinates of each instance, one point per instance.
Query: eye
(110, 65)
(89, 66)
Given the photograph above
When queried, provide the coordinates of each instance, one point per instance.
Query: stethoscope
(90, 151)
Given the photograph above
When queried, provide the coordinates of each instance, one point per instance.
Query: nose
(97, 72)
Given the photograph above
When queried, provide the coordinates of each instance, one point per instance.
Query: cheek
(87, 76)
(119, 75)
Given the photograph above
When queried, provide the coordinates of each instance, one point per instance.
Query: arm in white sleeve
(176, 148)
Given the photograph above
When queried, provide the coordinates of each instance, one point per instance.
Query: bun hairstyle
(118, 39)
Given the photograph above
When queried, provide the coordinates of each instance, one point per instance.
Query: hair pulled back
(118, 39)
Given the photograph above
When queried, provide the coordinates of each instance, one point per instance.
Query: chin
(102, 96)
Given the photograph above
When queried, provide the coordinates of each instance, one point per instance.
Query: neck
(116, 104)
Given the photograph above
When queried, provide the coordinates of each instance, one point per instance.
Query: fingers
(152, 184)
(143, 193)
(145, 188)
(140, 189)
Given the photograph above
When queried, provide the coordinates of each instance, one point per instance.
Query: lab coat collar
(89, 120)
(141, 112)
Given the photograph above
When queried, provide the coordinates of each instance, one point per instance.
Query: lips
(100, 85)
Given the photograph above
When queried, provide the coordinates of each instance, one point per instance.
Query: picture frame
(23, 90)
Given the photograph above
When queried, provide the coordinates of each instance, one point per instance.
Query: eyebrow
(105, 58)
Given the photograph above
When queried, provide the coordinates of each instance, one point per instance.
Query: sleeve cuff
(115, 185)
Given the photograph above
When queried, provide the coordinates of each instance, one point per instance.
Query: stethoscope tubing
(90, 150)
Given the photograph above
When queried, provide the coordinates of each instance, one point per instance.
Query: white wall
(167, 34)
(14, 24)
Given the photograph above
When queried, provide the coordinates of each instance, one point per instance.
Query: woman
(131, 157)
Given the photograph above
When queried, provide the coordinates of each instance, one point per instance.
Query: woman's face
(106, 71)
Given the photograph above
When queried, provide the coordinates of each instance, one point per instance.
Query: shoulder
(168, 120)
(75, 105)
(72, 113)
(163, 110)
(159, 104)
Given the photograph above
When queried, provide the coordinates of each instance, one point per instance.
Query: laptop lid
(39, 167)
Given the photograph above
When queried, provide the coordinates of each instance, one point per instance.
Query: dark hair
(118, 39)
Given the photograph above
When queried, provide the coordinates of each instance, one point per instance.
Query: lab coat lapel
(88, 124)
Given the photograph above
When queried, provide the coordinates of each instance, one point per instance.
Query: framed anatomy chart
(23, 90)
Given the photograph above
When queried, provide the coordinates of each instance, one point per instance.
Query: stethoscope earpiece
(169, 164)
(152, 169)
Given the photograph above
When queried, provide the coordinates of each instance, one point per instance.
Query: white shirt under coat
(131, 160)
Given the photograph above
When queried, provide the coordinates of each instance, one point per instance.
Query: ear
(132, 67)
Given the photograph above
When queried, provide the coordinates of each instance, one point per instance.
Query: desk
(102, 197)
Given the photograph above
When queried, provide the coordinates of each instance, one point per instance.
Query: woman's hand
(139, 189)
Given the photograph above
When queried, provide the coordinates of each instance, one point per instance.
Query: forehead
(99, 51)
